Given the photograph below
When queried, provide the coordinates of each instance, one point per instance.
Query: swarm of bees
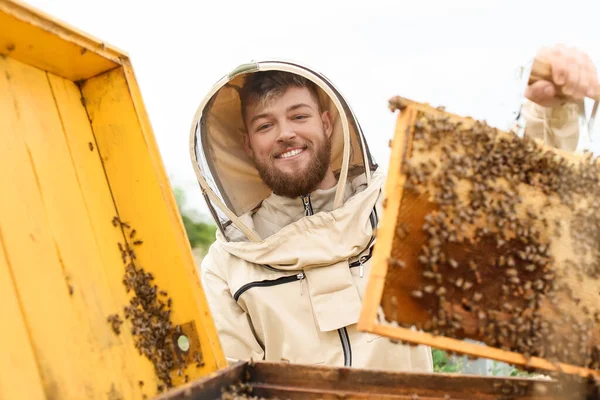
(502, 212)
(149, 312)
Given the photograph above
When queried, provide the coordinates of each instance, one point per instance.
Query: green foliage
(200, 234)
(502, 369)
(443, 363)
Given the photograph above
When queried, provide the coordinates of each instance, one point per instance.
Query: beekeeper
(288, 177)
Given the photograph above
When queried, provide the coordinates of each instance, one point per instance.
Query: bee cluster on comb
(497, 240)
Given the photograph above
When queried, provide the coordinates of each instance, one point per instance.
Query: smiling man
(296, 195)
(288, 139)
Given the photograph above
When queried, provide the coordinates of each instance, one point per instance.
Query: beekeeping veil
(227, 176)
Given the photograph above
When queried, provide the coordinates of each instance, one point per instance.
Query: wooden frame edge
(478, 350)
(394, 187)
(63, 30)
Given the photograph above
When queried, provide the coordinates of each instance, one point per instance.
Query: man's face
(289, 140)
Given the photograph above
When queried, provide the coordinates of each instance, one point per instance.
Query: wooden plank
(387, 226)
(210, 329)
(143, 198)
(100, 281)
(36, 264)
(19, 376)
(295, 381)
(351, 381)
(477, 350)
(42, 41)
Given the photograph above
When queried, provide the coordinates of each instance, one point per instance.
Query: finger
(585, 76)
(584, 83)
(541, 92)
(559, 65)
(592, 90)
(573, 73)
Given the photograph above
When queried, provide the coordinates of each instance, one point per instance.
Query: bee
(198, 359)
(91, 146)
(511, 272)
(428, 274)
(501, 261)
(477, 277)
(138, 242)
(472, 265)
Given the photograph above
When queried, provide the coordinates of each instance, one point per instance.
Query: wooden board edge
(48, 23)
(478, 350)
(394, 187)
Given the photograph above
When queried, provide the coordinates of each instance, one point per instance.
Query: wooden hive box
(283, 381)
(490, 237)
(77, 151)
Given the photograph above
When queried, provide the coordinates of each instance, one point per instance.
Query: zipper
(308, 210)
(362, 260)
(345, 339)
(268, 282)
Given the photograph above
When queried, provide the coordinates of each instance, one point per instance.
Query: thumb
(542, 93)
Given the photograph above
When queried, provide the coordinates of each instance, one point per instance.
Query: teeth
(290, 153)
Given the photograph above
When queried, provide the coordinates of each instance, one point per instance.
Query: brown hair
(265, 86)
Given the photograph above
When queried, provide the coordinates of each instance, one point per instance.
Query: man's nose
(286, 132)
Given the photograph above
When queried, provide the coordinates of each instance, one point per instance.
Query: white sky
(462, 54)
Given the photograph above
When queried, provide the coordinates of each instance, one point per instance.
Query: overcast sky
(462, 54)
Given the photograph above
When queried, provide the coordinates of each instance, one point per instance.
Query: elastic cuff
(557, 115)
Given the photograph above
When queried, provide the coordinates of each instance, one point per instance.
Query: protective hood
(227, 176)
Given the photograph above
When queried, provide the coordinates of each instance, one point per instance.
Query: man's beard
(299, 182)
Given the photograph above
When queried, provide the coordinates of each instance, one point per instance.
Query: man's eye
(263, 127)
(300, 117)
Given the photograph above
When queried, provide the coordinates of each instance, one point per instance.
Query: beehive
(266, 380)
(490, 237)
(85, 196)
